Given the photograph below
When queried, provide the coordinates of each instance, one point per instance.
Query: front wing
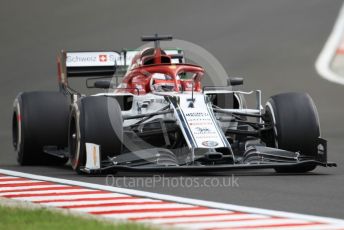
(164, 160)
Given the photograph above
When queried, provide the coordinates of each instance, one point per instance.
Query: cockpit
(184, 81)
(153, 56)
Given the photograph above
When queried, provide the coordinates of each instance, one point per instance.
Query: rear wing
(100, 63)
(83, 64)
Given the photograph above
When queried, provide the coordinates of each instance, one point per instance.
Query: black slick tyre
(96, 120)
(295, 126)
(39, 119)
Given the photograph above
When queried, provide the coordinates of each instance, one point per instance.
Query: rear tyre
(97, 120)
(39, 119)
(295, 126)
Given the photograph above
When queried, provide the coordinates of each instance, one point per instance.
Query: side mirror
(102, 84)
(233, 81)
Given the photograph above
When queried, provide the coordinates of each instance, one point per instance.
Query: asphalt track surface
(273, 44)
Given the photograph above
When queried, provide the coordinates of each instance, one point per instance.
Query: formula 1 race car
(161, 118)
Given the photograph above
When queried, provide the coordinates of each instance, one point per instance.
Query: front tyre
(296, 126)
(96, 120)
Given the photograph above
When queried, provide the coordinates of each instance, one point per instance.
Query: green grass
(36, 219)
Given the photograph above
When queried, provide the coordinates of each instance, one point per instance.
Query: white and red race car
(161, 118)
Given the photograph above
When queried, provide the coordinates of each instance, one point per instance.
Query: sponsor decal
(210, 143)
(200, 123)
(202, 129)
(102, 57)
(71, 58)
(79, 59)
(196, 114)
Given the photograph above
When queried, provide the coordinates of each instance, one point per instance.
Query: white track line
(204, 218)
(70, 203)
(304, 227)
(20, 188)
(164, 214)
(323, 62)
(69, 197)
(67, 190)
(3, 183)
(244, 223)
(120, 191)
(133, 208)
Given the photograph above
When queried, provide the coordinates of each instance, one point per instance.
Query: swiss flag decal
(102, 57)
